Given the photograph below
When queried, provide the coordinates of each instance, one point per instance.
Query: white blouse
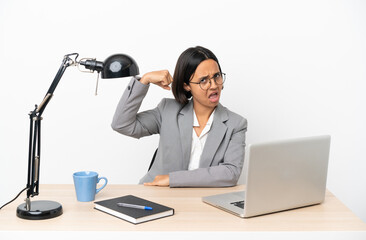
(198, 142)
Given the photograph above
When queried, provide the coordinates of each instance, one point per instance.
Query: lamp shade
(119, 65)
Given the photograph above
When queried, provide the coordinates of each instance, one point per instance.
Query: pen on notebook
(134, 206)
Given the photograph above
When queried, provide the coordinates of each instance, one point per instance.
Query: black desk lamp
(115, 66)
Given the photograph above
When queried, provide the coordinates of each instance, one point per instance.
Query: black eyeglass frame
(223, 75)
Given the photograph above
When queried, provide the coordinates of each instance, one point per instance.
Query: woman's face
(209, 98)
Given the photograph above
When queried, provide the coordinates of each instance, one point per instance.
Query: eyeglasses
(205, 82)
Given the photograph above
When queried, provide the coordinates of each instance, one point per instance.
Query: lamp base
(40, 210)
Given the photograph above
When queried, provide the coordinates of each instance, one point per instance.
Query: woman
(202, 143)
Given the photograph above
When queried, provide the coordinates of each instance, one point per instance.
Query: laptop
(281, 175)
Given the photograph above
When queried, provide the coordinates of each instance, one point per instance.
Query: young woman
(202, 143)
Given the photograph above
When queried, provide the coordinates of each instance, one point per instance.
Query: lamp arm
(35, 131)
(66, 62)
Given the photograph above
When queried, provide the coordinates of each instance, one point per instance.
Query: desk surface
(191, 214)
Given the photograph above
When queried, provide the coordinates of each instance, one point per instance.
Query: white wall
(295, 68)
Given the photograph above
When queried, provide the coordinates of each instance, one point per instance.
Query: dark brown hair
(187, 64)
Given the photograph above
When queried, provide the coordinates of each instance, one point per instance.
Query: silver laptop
(281, 175)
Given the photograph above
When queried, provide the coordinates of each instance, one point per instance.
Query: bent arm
(225, 174)
(127, 121)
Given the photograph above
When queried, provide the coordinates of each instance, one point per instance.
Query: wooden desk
(191, 214)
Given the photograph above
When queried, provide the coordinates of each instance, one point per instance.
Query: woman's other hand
(160, 180)
(161, 78)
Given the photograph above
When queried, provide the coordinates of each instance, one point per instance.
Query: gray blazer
(222, 157)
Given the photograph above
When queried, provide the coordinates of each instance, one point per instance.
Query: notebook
(133, 215)
(281, 175)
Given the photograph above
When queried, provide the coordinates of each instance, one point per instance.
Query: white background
(294, 69)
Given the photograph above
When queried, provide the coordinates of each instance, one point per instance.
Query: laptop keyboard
(238, 204)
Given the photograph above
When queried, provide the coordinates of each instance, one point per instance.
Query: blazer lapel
(185, 123)
(215, 136)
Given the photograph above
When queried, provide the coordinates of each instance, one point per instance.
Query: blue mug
(86, 185)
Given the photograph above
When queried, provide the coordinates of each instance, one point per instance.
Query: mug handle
(106, 181)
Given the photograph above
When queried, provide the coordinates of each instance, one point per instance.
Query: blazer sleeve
(127, 121)
(225, 174)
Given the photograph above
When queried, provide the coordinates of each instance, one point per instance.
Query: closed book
(133, 215)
